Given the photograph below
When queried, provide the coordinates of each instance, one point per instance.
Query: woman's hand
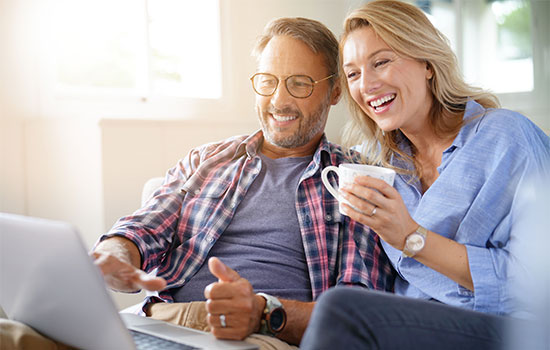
(392, 222)
(379, 206)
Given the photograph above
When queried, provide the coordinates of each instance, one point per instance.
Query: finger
(229, 333)
(122, 273)
(231, 321)
(214, 320)
(150, 283)
(358, 204)
(229, 306)
(223, 272)
(228, 290)
(366, 197)
(356, 215)
(377, 184)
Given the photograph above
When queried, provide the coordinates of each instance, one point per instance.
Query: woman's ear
(429, 71)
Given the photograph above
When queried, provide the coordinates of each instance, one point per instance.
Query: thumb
(222, 271)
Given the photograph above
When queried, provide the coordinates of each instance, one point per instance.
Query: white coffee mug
(347, 173)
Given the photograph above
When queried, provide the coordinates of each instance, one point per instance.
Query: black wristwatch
(273, 317)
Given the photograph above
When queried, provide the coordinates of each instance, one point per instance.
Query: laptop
(49, 282)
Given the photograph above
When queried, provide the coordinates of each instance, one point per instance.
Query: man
(257, 204)
(250, 214)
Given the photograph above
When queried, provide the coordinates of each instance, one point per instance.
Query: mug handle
(327, 184)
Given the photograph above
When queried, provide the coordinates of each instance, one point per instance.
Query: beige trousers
(18, 336)
(193, 315)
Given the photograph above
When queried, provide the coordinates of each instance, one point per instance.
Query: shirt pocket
(211, 189)
(201, 207)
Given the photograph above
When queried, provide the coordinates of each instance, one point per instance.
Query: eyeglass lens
(297, 85)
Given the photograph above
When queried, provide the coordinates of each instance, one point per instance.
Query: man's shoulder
(226, 146)
(230, 141)
(338, 154)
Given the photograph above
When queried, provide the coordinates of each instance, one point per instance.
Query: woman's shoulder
(508, 127)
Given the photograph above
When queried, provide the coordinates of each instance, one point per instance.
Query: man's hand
(116, 258)
(233, 297)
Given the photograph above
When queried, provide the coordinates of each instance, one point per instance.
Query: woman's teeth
(381, 100)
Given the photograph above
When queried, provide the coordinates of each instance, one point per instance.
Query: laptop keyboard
(146, 341)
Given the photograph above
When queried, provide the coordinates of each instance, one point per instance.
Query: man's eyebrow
(371, 55)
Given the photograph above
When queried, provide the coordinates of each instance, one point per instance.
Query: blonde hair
(407, 31)
(311, 32)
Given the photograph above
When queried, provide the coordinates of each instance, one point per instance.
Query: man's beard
(307, 127)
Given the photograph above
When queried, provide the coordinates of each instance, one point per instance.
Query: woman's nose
(369, 83)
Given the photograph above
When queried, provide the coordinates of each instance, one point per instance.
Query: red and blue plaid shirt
(184, 218)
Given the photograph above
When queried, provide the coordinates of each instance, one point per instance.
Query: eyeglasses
(299, 86)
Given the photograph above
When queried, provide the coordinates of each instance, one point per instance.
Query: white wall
(12, 167)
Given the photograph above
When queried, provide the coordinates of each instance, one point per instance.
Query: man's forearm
(297, 319)
(122, 248)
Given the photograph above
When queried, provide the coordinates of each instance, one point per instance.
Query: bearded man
(242, 234)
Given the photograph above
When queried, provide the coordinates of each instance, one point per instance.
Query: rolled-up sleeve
(152, 228)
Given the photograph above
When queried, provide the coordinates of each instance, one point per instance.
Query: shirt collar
(250, 145)
(471, 118)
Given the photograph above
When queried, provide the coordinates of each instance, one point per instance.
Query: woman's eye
(350, 75)
(380, 63)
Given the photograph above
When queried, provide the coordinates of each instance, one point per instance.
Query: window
(502, 57)
(143, 48)
(491, 37)
(500, 46)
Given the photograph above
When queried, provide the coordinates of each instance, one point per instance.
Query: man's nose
(281, 97)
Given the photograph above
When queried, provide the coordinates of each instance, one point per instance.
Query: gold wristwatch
(415, 242)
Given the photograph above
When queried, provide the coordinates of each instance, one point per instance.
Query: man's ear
(336, 93)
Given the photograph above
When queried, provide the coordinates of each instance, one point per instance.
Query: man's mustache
(287, 111)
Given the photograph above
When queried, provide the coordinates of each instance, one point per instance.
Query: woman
(449, 223)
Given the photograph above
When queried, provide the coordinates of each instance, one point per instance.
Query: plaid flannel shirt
(184, 218)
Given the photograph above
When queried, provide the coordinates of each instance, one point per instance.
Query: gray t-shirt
(263, 242)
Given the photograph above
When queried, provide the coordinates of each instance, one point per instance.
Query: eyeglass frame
(313, 82)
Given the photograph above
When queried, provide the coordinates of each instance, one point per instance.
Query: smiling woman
(450, 219)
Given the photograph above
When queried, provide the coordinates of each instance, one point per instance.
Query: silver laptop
(49, 282)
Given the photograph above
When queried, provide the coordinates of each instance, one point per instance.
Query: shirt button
(328, 217)
(233, 205)
(198, 191)
(209, 239)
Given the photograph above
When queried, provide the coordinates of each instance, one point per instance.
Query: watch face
(277, 320)
(415, 242)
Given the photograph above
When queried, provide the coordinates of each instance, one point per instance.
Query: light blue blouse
(474, 201)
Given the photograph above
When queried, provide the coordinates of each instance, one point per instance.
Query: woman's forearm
(447, 257)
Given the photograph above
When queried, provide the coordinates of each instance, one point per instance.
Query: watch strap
(271, 303)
